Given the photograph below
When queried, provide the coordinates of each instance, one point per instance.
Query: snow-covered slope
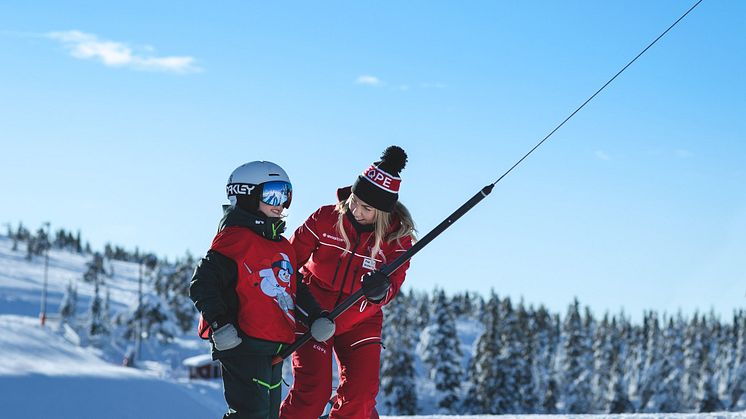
(43, 375)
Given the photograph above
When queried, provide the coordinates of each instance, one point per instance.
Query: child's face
(363, 213)
(270, 210)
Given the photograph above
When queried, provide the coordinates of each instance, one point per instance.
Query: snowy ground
(45, 373)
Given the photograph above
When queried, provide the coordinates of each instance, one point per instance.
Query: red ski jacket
(332, 274)
(265, 285)
(250, 281)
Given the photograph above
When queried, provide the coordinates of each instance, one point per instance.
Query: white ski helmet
(260, 178)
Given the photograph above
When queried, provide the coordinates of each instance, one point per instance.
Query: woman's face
(271, 210)
(363, 213)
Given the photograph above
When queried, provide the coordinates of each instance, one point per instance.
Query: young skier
(337, 246)
(246, 290)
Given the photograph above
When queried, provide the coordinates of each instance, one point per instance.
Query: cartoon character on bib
(275, 281)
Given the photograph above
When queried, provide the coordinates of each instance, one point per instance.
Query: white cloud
(369, 80)
(86, 46)
(602, 155)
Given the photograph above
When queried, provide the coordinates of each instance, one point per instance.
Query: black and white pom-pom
(393, 160)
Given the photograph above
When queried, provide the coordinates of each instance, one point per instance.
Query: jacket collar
(268, 227)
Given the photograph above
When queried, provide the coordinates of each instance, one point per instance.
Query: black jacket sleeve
(307, 308)
(213, 288)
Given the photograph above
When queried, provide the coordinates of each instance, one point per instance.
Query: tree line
(528, 360)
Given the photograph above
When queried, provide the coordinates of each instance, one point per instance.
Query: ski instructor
(340, 248)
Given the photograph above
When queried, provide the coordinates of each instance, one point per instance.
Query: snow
(52, 372)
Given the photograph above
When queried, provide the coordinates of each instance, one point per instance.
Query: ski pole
(391, 268)
(388, 269)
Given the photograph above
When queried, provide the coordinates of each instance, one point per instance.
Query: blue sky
(124, 120)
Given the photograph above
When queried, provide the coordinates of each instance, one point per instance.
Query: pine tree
(544, 338)
(708, 399)
(96, 324)
(602, 364)
(483, 369)
(617, 396)
(157, 320)
(441, 352)
(651, 374)
(399, 396)
(524, 351)
(172, 284)
(694, 356)
(737, 388)
(668, 398)
(69, 304)
(94, 269)
(575, 363)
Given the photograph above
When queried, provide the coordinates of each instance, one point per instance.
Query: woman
(246, 291)
(340, 248)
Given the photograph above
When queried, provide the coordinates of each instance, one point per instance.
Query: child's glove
(225, 337)
(322, 327)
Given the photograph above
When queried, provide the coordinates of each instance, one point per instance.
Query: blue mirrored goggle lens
(277, 193)
(283, 264)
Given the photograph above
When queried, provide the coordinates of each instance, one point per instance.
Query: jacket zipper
(354, 276)
(347, 269)
(339, 262)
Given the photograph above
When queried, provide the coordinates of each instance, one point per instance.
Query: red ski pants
(359, 356)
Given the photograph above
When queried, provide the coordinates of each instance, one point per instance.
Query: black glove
(375, 286)
(322, 327)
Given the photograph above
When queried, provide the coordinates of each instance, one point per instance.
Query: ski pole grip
(341, 308)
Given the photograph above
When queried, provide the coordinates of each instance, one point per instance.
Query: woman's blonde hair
(381, 222)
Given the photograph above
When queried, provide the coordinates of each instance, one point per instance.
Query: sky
(124, 120)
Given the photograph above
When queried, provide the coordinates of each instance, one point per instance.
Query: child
(245, 290)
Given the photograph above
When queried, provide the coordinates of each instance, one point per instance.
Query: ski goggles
(277, 193)
(283, 265)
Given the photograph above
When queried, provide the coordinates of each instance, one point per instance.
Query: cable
(597, 92)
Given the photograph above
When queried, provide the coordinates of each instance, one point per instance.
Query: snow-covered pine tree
(737, 388)
(96, 323)
(668, 397)
(724, 360)
(423, 308)
(651, 373)
(529, 400)
(617, 396)
(439, 346)
(511, 363)
(602, 364)
(544, 338)
(107, 309)
(172, 284)
(575, 363)
(483, 367)
(157, 319)
(398, 389)
(94, 269)
(69, 304)
(708, 399)
(694, 356)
